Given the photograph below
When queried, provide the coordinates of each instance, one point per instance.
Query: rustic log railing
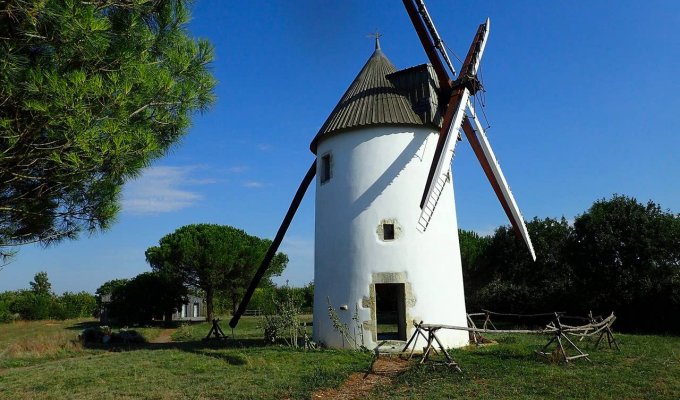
(216, 331)
(555, 329)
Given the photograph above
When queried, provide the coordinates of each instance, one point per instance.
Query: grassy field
(190, 368)
(647, 367)
(43, 360)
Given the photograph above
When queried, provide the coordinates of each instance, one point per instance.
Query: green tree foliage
(472, 247)
(90, 93)
(7, 300)
(29, 305)
(41, 284)
(213, 258)
(78, 305)
(41, 303)
(107, 288)
(626, 257)
(503, 276)
(148, 295)
(37, 303)
(620, 255)
(265, 298)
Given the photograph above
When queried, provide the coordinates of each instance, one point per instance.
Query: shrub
(285, 324)
(32, 306)
(78, 305)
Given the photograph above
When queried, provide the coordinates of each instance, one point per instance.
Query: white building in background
(373, 156)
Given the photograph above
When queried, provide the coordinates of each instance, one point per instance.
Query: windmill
(383, 256)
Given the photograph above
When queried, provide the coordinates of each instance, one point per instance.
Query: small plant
(182, 334)
(285, 323)
(343, 329)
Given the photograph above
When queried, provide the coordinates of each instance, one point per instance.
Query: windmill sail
(479, 44)
(440, 176)
(438, 42)
(480, 145)
(264, 265)
(453, 120)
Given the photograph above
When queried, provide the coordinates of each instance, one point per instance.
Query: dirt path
(360, 384)
(165, 336)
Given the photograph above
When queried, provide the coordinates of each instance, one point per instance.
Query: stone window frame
(380, 230)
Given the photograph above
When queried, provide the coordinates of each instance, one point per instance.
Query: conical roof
(372, 99)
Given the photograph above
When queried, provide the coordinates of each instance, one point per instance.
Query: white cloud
(162, 189)
(253, 184)
(264, 147)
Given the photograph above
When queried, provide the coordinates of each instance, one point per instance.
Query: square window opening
(388, 231)
(325, 168)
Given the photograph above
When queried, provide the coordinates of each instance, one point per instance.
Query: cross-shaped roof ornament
(377, 35)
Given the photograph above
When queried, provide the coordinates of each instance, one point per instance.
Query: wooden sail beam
(492, 169)
(264, 265)
(428, 45)
(464, 86)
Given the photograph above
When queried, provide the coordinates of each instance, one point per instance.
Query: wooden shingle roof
(375, 97)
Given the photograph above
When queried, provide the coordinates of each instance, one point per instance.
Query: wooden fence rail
(555, 329)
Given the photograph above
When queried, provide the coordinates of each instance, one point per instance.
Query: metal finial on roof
(377, 35)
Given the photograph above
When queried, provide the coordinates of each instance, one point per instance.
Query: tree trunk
(209, 303)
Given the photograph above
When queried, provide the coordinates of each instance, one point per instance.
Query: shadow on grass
(156, 324)
(524, 354)
(79, 326)
(200, 347)
(232, 359)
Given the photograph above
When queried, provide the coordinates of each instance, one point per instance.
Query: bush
(32, 306)
(78, 305)
(284, 324)
(29, 305)
(7, 314)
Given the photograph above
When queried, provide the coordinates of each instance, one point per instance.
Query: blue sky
(582, 97)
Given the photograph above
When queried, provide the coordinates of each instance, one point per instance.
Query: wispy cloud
(264, 147)
(253, 184)
(163, 189)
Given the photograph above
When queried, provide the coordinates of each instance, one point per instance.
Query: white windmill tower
(383, 256)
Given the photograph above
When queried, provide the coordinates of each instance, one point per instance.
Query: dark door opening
(390, 311)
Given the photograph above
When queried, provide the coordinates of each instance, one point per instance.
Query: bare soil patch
(165, 336)
(360, 384)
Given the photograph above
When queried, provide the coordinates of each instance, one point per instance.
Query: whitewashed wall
(379, 173)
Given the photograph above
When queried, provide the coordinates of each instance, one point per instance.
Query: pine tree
(90, 93)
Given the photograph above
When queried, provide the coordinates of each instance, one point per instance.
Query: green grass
(248, 329)
(647, 367)
(193, 368)
(41, 360)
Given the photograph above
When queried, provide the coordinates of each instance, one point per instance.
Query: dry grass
(24, 343)
(42, 346)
